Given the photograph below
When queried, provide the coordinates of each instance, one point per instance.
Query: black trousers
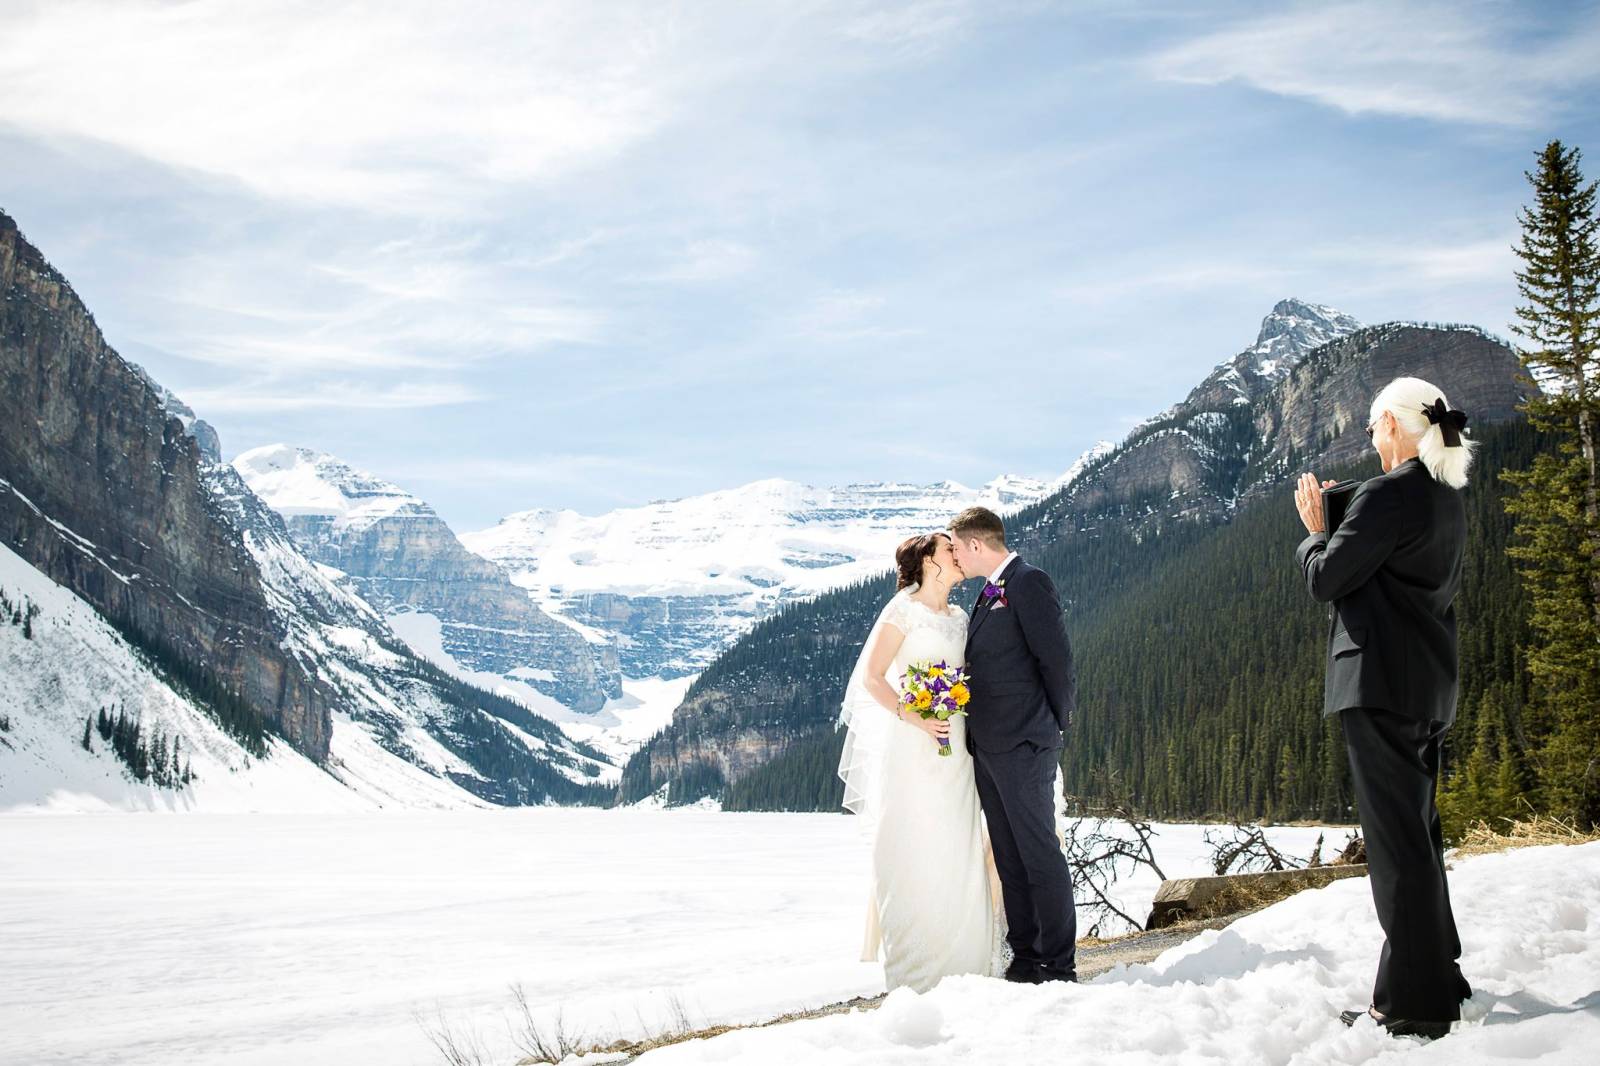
(1394, 761)
(1016, 789)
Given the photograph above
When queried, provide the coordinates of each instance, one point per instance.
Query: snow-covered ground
(616, 730)
(320, 938)
(622, 725)
(1267, 990)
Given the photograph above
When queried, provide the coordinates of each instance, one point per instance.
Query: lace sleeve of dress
(897, 613)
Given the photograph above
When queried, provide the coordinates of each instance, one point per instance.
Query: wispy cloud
(847, 315)
(1359, 264)
(408, 106)
(713, 259)
(328, 304)
(1166, 281)
(541, 472)
(588, 250)
(1453, 62)
(912, 25)
(328, 395)
(1387, 262)
(383, 105)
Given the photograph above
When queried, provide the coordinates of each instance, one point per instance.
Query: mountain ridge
(109, 493)
(1173, 477)
(412, 567)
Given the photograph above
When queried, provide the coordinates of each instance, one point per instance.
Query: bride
(933, 910)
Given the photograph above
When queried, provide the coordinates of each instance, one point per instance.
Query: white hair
(1407, 400)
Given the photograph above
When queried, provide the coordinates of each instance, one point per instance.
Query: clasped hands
(1308, 501)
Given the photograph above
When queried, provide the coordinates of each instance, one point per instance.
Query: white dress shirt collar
(994, 578)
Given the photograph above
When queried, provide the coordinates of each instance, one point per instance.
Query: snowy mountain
(1273, 404)
(389, 691)
(70, 663)
(143, 575)
(1292, 329)
(752, 733)
(676, 581)
(455, 608)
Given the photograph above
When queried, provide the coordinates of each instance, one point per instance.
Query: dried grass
(680, 1031)
(1537, 830)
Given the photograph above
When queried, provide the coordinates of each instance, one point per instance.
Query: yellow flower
(934, 671)
(960, 694)
(924, 700)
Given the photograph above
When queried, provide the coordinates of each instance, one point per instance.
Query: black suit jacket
(1391, 571)
(1022, 680)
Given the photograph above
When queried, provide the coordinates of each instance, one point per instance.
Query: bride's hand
(931, 726)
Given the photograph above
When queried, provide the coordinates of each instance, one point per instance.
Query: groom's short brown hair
(982, 523)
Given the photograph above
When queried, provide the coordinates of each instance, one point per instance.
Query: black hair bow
(1450, 423)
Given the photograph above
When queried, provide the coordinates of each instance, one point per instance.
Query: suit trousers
(1394, 763)
(1016, 789)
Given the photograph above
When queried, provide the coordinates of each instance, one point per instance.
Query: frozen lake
(322, 939)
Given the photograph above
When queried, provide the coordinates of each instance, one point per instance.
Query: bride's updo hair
(908, 558)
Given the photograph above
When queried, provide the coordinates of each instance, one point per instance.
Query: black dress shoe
(1050, 973)
(1399, 1026)
(1023, 972)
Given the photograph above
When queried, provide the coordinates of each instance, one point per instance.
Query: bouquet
(935, 690)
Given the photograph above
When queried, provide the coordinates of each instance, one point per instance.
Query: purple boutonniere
(991, 591)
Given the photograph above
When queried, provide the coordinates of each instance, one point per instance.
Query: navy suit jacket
(1022, 680)
(1392, 570)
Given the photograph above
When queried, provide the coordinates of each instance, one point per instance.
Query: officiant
(1391, 570)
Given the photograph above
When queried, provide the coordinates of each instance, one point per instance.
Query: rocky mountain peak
(302, 481)
(1294, 328)
(204, 434)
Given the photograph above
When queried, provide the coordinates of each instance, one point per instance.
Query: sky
(516, 255)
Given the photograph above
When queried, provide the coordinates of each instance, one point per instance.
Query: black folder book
(1336, 501)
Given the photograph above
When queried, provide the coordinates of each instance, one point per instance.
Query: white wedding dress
(935, 908)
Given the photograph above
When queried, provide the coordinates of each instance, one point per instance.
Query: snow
(70, 536)
(76, 663)
(317, 938)
(767, 535)
(1266, 990)
(299, 481)
(619, 728)
(613, 730)
(1082, 463)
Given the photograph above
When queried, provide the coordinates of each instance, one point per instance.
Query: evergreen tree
(158, 756)
(1200, 671)
(1557, 506)
(88, 728)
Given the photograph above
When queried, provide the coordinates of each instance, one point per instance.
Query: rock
(401, 556)
(1189, 898)
(1242, 432)
(101, 489)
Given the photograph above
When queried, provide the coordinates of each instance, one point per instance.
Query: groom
(1023, 690)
